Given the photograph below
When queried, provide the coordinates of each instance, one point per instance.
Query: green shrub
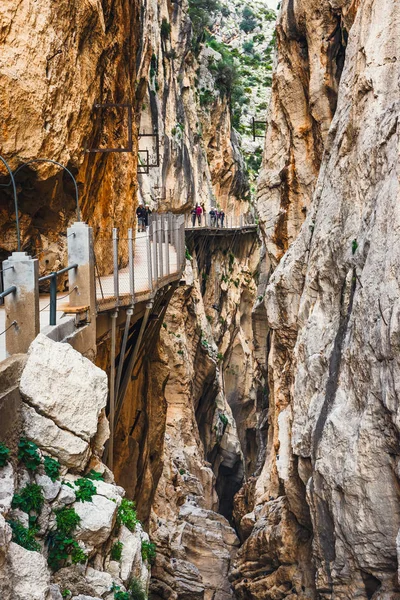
(118, 595)
(94, 475)
(148, 551)
(67, 519)
(4, 454)
(248, 47)
(182, 471)
(188, 255)
(180, 352)
(126, 514)
(24, 537)
(201, 14)
(28, 454)
(30, 498)
(51, 468)
(62, 548)
(86, 490)
(354, 246)
(249, 22)
(116, 551)
(220, 356)
(224, 419)
(165, 29)
(209, 318)
(65, 593)
(136, 590)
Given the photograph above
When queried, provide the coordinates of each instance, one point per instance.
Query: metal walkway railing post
(21, 304)
(149, 261)
(116, 265)
(160, 247)
(154, 226)
(131, 259)
(167, 246)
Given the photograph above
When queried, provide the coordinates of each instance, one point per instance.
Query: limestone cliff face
(56, 62)
(213, 394)
(199, 158)
(326, 506)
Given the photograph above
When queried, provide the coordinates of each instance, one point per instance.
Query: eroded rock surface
(332, 310)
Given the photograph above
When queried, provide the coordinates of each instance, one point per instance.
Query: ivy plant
(29, 499)
(94, 475)
(4, 454)
(126, 514)
(116, 551)
(67, 520)
(24, 537)
(51, 468)
(63, 548)
(148, 551)
(28, 454)
(86, 490)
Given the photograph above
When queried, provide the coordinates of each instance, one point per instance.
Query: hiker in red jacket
(199, 212)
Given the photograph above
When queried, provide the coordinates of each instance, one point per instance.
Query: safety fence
(135, 267)
(216, 221)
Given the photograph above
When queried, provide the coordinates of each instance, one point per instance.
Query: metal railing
(213, 222)
(10, 290)
(136, 267)
(53, 290)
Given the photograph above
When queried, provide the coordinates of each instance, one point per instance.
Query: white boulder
(65, 386)
(50, 488)
(6, 487)
(97, 520)
(131, 550)
(70, 450)
(29, 574)
(100, 581)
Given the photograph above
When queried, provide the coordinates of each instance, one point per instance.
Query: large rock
(64, 386)
(68, 448)
(132, 543)
(50, 488)
(100, 581)
(97, 520)
(6, 487)
(29, 573)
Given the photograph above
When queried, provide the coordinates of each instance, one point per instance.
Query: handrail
(53, 289)
(10, 290)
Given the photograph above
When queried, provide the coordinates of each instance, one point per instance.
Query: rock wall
(57, 61)
(213, 395)
(59, 399)
(199, 157)
(326, 505)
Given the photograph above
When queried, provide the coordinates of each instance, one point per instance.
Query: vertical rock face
(199, 159)
(213, 395)
(327, 499)
(56, 62)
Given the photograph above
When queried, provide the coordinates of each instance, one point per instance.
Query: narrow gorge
(212, 413)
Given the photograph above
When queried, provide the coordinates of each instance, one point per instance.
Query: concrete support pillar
(81, 252)
(21, 306)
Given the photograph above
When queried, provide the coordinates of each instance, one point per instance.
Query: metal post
(21, 273)
(53, 299)
(155, 254)
(131, 265)
(129, 314)
(168, 272)
(160, 248)
(241, 220)
(115, 255)
(148, 252)
(112, 389)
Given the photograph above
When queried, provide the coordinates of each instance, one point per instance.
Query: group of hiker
(217, 217)
(143, 212)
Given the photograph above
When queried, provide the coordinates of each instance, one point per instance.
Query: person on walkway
(141, 215)
(199, 212)
(147, 213)
(213, 216)
(221, 215)
(194, 214)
